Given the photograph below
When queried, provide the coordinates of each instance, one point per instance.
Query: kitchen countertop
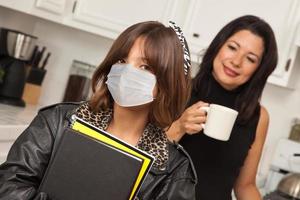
(13, 120)
(13, 115)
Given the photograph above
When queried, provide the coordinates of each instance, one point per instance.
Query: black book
(88, 167)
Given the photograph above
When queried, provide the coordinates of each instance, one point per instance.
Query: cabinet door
(54, 10)
(114, 15)
(55, 6)
(207, 17)
(285, 75)
(22, 6)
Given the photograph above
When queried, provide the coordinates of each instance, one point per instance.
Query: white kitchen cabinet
(102, 17)
(108, 18)
(55, 6)
(23, 6)
(206, 17)
(53, 10)
(112, 17)
(41, 8)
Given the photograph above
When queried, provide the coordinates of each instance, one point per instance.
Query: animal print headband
(186, 52)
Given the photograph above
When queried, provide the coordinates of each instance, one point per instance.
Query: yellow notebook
(105, 137)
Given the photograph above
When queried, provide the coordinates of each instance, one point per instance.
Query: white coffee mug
(219, 121)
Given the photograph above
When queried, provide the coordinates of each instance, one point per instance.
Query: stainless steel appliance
(290, 185)
(285, 162)
(15, 50)
(276, 195)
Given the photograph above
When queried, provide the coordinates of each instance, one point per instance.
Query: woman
(233, 73)
(137, 94)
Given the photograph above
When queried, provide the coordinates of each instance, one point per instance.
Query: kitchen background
(76, 31)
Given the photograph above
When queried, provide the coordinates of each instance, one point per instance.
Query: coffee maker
(15, 51)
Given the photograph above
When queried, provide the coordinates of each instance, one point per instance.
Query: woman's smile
(229, 72)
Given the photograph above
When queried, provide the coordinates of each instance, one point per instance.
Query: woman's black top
(217, 162)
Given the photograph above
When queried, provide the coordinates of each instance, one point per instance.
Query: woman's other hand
(190, 122)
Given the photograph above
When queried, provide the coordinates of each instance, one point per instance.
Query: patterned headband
(186, 52)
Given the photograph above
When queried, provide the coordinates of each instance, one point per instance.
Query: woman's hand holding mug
(190, 122)
(216, 120)
(192, 119)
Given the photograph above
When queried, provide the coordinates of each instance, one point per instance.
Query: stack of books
(90, 163)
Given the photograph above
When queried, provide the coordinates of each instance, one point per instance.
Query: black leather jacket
(28, 158)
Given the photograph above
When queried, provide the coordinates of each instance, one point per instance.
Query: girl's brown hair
(163, 51)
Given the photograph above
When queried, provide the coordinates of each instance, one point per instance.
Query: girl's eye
(121, 61)
(146, 67)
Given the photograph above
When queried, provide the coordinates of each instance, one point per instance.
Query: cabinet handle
(287, 65)
(74, 6)
(196, 35)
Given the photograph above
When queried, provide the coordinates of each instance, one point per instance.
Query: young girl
(139, 89)
(233, 73)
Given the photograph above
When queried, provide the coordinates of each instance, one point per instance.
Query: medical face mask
(130, 86)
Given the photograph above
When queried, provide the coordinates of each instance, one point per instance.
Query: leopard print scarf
(153, 140)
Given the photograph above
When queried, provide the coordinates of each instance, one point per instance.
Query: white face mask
(130, 86)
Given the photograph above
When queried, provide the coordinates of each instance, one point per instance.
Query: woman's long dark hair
(251, 91)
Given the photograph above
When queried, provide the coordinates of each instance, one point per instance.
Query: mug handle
(206, 109)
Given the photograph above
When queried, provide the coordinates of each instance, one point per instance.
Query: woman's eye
(231, 47)
(251, 59)
(121, 61)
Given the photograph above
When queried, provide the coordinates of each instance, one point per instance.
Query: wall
(67, 44)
